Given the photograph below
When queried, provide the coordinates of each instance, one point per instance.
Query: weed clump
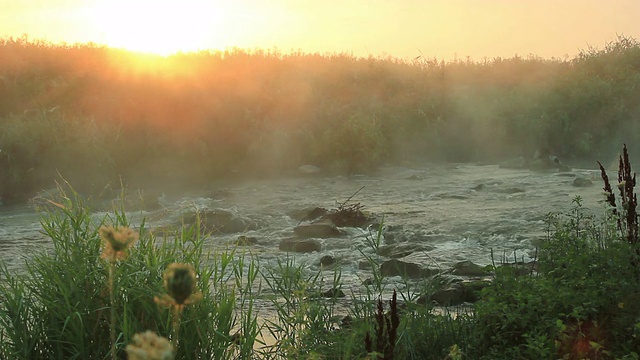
(93, 293)
(386, 331)
(625, 212)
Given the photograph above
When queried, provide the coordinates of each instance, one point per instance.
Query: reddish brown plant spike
(388, 347)
(611, 197)
(368, 343)
(393, 322)
(380, 330)
(630, 198)
(620, 169)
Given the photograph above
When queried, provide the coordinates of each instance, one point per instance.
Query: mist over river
(443, 213)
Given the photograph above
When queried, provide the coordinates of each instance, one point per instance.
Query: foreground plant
(149, 346)
(180, 284)
(116, 244)
(382, 345)
(625, 212)
(59, 306)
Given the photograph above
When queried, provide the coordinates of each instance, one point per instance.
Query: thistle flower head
(180, 284)
(149, 346)
(116, 242)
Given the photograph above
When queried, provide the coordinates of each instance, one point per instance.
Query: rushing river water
(446, 213)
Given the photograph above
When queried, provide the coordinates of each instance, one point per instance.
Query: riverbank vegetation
(103, 291)
(95, 115)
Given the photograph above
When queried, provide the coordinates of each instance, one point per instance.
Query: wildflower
(117, 242)
(150, 346)
(455, 353)
(180, 284)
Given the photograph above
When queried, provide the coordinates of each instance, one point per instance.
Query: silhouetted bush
(188, 118)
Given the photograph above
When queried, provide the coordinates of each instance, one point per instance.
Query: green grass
(60, 309)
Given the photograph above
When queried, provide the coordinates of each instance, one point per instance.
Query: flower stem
(112, 300)
(177, 312)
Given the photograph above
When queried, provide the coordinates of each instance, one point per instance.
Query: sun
(160, 26)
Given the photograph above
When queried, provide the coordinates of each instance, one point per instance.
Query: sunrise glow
(446, 29)
(162, 27)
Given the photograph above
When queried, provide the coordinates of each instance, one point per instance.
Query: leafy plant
(60, 307)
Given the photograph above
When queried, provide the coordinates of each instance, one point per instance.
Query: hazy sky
(400, 28)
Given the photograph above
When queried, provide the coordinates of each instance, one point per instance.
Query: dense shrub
(582, 302)
(188, 118)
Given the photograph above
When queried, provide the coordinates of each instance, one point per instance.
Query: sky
(442, 29)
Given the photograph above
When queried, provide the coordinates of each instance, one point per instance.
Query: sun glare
(159, 27)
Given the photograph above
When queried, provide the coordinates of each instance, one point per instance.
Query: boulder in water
(452, 294)
(308, 214)
(322, 229)
(300, 245)
(246, 240)
(456, 293)
(509, 190)
(396, 267)
(468, 268)
(327, 260)
(396, 251)
(581, 182)
(331, 293)
(219, 220)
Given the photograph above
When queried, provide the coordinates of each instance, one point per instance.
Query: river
(445, 213)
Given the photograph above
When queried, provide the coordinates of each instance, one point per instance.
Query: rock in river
(322, 229)
(468, 268)
(219, 220)
(300, 245)
(395, 267)
(581, 182)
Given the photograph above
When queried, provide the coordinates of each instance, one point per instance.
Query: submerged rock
(322, 229)
(334, 293)
(397, 267)
(246, 240)
(343, 216)
(308, 214)
(300, 245)
(415, 177)
(331, 293)
(452, 294)
(468, 268)
(395, 251)
(456, 293)
(509, 190)
(327, 260)
(219, 220)
(581, 182)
